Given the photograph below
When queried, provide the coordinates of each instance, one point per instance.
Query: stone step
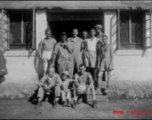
(99, 97)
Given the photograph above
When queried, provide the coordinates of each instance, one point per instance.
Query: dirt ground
(23, 109)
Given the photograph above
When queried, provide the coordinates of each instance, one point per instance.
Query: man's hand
(62, 87)
(43, 59)
(66, 45)
(47, 87)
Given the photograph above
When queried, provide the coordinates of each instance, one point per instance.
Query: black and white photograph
(71, 59)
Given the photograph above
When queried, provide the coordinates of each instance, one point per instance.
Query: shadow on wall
(38, 64)
(3, 69)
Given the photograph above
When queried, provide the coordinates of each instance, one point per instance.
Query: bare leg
(108, 78)
(45, 66)
(100, 74)
(93, 92)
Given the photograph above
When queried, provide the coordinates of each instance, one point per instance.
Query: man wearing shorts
(83, 83)
(106, 64)
(91, 53)
(46, 48)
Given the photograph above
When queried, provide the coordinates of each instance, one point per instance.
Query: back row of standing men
(94, 52)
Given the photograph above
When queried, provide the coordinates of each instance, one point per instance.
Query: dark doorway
(59, 22)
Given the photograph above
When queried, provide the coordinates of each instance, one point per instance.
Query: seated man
(83, 83)
(65, 89)
(49, 83)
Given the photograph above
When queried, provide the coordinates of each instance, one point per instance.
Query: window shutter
(4, 30)
(34, 27)
(147, 31)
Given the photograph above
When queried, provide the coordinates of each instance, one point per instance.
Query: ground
(21, 109)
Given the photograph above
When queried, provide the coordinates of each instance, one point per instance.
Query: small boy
(65, 89)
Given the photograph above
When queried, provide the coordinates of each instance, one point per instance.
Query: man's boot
(74, 104)
(39, 104)
(94, 103)
(69, 103)
(55, 104)
(64, 103)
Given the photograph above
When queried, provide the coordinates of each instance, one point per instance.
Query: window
(17, 30)
(131, 30)
(20, 30)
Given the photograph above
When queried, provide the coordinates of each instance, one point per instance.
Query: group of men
(90, 56)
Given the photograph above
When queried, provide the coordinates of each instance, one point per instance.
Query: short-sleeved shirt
(66, 84)
(51, 80)
(84, 78)
(76, 44)
(61, 51)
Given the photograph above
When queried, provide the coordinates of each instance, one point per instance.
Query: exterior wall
(23, 65)
(133, 65)
(41, 25)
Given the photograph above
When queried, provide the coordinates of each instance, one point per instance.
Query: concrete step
(88, 97)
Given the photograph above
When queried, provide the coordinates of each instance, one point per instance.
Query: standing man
(91, 53)
(99, 32)
(63, 54)
(76, 43)
(83, 83)
(49, 83)
(46, 48)
(106, 64)
(84, 37)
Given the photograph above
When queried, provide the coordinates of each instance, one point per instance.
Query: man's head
(84, 34)
(48, 33)
(98, 28)
(63, 36)
(51, 72)
(82, 68)
(92, 32)
(105, 39)
(65, 75)
(75, 32)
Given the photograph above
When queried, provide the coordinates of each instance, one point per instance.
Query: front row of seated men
(64, 87)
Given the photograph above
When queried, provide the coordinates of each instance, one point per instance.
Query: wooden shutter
(4, 30)
(147, 30)
(34, 31)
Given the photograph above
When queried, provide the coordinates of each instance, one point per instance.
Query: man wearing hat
(99, 32)
(63, 54)
(49, 83)
(65, 89)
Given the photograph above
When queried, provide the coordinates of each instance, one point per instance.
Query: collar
(72, 39)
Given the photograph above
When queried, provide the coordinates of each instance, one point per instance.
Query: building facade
(127, 24)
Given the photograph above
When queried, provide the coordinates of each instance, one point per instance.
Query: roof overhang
(75, 5)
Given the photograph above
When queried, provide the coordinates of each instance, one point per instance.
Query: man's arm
(111, 53)
(98, 51)
(40, 48)
(91, 82)
(58, 80)
(55, 53)
(68, 47)
(76, 77)
(43, 79)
